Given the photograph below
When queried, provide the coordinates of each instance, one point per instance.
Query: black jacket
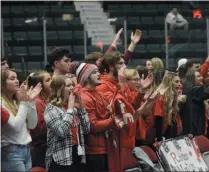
(193, 111)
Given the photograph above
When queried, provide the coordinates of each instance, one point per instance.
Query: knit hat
(73, 66)
(84, 71)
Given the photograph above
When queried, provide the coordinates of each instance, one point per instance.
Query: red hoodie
(124, 137)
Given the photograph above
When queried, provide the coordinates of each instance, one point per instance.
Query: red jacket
(204, 69)
(159, 111)
(99, 116)
(127, 133)
(108, 87)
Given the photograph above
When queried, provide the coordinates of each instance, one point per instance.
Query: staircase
(97, 24)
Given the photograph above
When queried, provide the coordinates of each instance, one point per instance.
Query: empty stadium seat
(35, 35)
(8, 51)
(79, 35)
(20, 51)
(17, 9)
(51, 35)
(5, 10)
(7, 36)
(20, 36)
(35, 50)
(65, 34)
(18, 21)
(6, 22)
(60, 22)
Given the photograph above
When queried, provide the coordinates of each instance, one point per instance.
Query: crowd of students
(89, 116)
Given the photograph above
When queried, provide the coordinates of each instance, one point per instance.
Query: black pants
(38, 155)
(75, 167)
(97, 163)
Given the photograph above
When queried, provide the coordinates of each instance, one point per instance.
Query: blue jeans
(16, 158)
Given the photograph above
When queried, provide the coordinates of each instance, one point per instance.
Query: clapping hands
(25, 94)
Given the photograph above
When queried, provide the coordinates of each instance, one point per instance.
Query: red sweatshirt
(127, 133)
(39, 134)
(4, 117)
(204, 69)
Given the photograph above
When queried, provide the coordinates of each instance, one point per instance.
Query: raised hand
(33, 93)
(117, 37)
(135, 38)
(145, 83)
(161, 89)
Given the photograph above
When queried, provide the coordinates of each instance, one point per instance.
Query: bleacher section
(25, 40)
(149, 17)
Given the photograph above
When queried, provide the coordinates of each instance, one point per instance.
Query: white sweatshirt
(172, 18)
(16, 130)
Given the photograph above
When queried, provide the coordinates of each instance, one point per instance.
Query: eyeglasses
(134, 79)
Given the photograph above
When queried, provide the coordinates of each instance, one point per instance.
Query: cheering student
(39, 134)
(19, 109)
(149, 66)
(166, 108)
(98, 143)
(67, 122)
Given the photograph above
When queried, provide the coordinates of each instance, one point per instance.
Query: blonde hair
(12, 106)
(129, 73)
(170, 98)
(157, 63)
(57, 91)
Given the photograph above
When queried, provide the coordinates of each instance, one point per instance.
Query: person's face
(63, 65)
(176, 85)
(12, 83)
(46, 82)
(198, 78)
(120, 63)
(175, 11)
(134, 83)
(206, 78)
(69, 86)
(196, 67)
(95, 77)
(4, 65)
(149, 65)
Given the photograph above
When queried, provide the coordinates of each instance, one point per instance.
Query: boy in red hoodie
(99, 155)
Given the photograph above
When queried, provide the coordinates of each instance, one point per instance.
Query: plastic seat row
(150, 13)
(38, 50)
(52, 37)
(18, 36)
(49, 21)
(147, 6)
(27, 9)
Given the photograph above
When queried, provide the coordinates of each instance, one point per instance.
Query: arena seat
(37, 169)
